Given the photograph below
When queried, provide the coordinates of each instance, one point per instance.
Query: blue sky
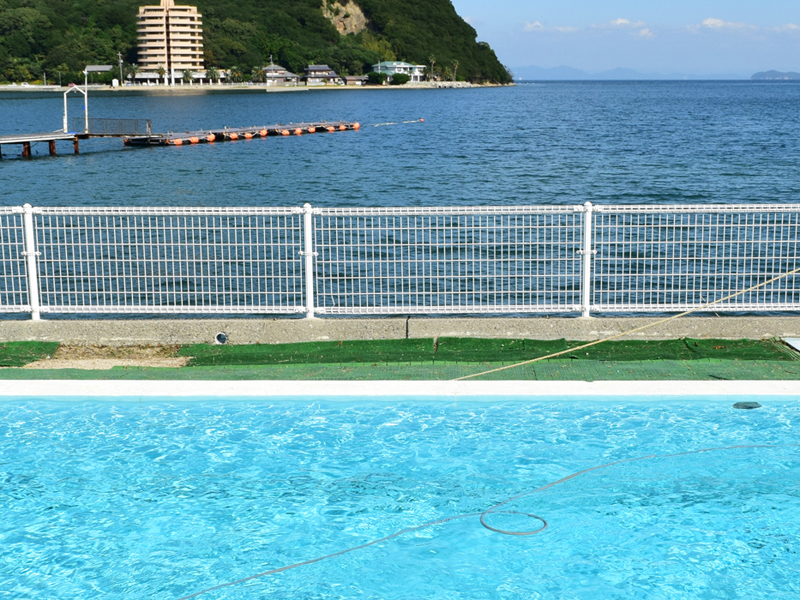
(702, 37)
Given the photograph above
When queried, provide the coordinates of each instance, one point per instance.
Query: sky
(651, 36)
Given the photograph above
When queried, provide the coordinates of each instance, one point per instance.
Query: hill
(65, 35)
(775, 76)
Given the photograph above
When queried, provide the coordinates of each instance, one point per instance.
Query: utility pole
(119, 56)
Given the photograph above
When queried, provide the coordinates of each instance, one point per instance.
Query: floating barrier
(248, 133)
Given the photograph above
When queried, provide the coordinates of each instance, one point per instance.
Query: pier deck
(205, 136)
(26, 139)
(202, 136)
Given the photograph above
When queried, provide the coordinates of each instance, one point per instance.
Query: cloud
(645, 33)
(537, 26)
(625, 23)
(789, 27)
(720, 24)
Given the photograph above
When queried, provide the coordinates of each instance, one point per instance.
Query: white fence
(397, 261)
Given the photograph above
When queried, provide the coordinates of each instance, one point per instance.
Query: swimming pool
(161, 498)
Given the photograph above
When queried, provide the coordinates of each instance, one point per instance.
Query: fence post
(309, 254)
(587, 251)
(32, 264)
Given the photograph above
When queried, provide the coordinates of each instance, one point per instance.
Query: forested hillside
(64, 36)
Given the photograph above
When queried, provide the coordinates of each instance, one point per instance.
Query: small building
(278, 75)
(321, 75)
(355, 79)
(415, 73)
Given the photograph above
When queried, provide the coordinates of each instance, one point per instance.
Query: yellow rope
(624, 333)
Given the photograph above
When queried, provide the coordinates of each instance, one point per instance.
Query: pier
(137, 132)
(239, 133)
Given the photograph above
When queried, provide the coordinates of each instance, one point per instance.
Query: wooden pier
(240, 133)
(173, 138)
(25, 140)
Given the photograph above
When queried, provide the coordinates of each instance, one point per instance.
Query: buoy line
(492, 510)
(630, 331)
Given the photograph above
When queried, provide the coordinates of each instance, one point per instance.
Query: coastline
(188, 90)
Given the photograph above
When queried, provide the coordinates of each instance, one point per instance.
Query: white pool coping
(389, 389)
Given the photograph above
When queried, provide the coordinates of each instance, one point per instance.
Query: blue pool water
(163, 499)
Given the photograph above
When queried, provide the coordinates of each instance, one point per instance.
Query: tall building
(171, 37)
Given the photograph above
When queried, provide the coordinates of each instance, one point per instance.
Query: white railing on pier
(577, 259)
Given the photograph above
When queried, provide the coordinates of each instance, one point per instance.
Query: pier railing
(113, 127)
(579, 259)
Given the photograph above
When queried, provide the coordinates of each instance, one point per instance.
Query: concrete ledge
(276, 331)
(452, 391)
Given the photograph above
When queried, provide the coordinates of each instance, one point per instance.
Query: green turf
(551, 370)
(471, 350)
(362, 351)
(18, 354)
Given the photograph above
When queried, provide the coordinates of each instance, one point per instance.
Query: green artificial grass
(360, 351)
(458, 350)
(550, 370)
(19, 354)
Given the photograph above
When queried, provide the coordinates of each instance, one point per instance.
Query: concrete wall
(275, 331)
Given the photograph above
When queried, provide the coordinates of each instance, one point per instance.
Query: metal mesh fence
(670, 258)
(447, 260)
(170, 260)
(13, 272)
(370, 261)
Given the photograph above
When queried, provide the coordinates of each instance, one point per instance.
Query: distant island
(775, 76)
(58, 39)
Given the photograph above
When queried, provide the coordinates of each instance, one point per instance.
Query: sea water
(546, 143)
(162, 499)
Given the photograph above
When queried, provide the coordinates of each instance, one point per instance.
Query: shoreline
(186, 90)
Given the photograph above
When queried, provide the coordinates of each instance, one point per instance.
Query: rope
(484, 514)
(629, 332)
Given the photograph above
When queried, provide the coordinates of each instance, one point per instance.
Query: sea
(547, 143)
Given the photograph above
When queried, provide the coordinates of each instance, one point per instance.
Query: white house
(414, 72)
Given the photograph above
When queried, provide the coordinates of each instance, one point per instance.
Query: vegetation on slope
(60, 36)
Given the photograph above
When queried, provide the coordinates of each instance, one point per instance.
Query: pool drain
(747, 405)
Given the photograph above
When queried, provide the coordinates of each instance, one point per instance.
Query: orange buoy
(342, 127)
(357, 126)
(234, 136)
(211, 137)
(248, 136)
(177, 142)
(298, 131)
(263, 133)
(422, 120)
(194, 140)
(285, 132)
(331, 129)
(312, 130)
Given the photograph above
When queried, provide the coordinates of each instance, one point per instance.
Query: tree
(235, 75)
(212, 74)
(432, 61)
(258, 75)
(374, 78)
(399, 79)
(455, 70)
(188, 76)
(162, 73)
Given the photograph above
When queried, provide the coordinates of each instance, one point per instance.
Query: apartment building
(170, 37)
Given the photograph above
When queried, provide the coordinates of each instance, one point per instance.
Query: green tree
(188, 76)
(399, 79)
(212, 74)
(374, 78)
